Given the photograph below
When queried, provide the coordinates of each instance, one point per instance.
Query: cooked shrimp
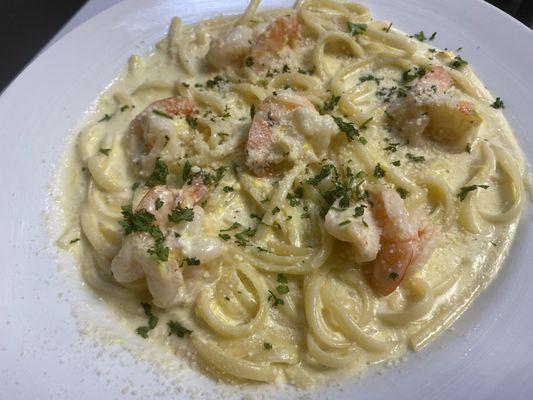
(278, 129)
(362, 231)
(230, 50)
(433, 108)
(385, 236)
(407, 241)
(165, 280)
(149, 131)
(281, 32)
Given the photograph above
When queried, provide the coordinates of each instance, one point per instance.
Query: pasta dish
(288, 194)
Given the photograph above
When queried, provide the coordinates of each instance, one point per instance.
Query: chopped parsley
(162, 114)
(135, 185)
(233, 226)
(106, 117)
(348, 128)
(177, 329)
(186, 171)
(139, 221)
(282, 278)
(267, 345)
(224, 236)
(396, 163)
(74, 241)
(219, 173)
(192, 261)
(294, 198)
(282, 289)
(249, 61)
(463, 192)
(331, 103)
(228, 189)
(193, 122)
(402, 192)
(275, 210)
(468, 148)
(379, 172)
(215, 82)
(252, 111)
(392, 147)
(276, 301)
(105, 151)
(159, 250)
(181, 214)
(359, 211)
(356, 29)
(412, 74)
(286, 69)
(369, 77)
(498, 103)
(457, 62)
(158, 203)
(387, 93)
(394, 276)
(306, 71)
(124, 108)
(323, 174)
(152, 321)
(159, 174)
(346, 222)
(241, 238)
(415, 159)
(364, 125)
(420, 36)
(387, 29)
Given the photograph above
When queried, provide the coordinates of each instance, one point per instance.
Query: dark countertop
(28, 25)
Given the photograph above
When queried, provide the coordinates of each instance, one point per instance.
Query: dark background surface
(27, 25)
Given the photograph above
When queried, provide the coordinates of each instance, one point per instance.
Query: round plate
(488, 354)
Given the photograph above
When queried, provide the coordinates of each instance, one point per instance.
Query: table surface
(89, 10)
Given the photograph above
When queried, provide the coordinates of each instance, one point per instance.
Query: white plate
(488, 354)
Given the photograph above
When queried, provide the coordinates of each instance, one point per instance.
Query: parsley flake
(159, 174)
(457, 62)
(498, 103)
(162, 114)
(356, 29)
(181, 214)
(463, 192)
(249, 61)
(178, 329)
(379, 172)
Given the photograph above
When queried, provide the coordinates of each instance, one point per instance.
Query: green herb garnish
(159, 174)
(178, 329)
(498, 103)
(378, 171)
(356, 29)
(463, 192)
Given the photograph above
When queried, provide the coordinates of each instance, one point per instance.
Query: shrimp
(230, 49)
(407, 241)
(385, 237)
(166, 279)
(362, 232)
(281, 32)
(149, 131)
(433, 108)
(278, 128)
(243, 43)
